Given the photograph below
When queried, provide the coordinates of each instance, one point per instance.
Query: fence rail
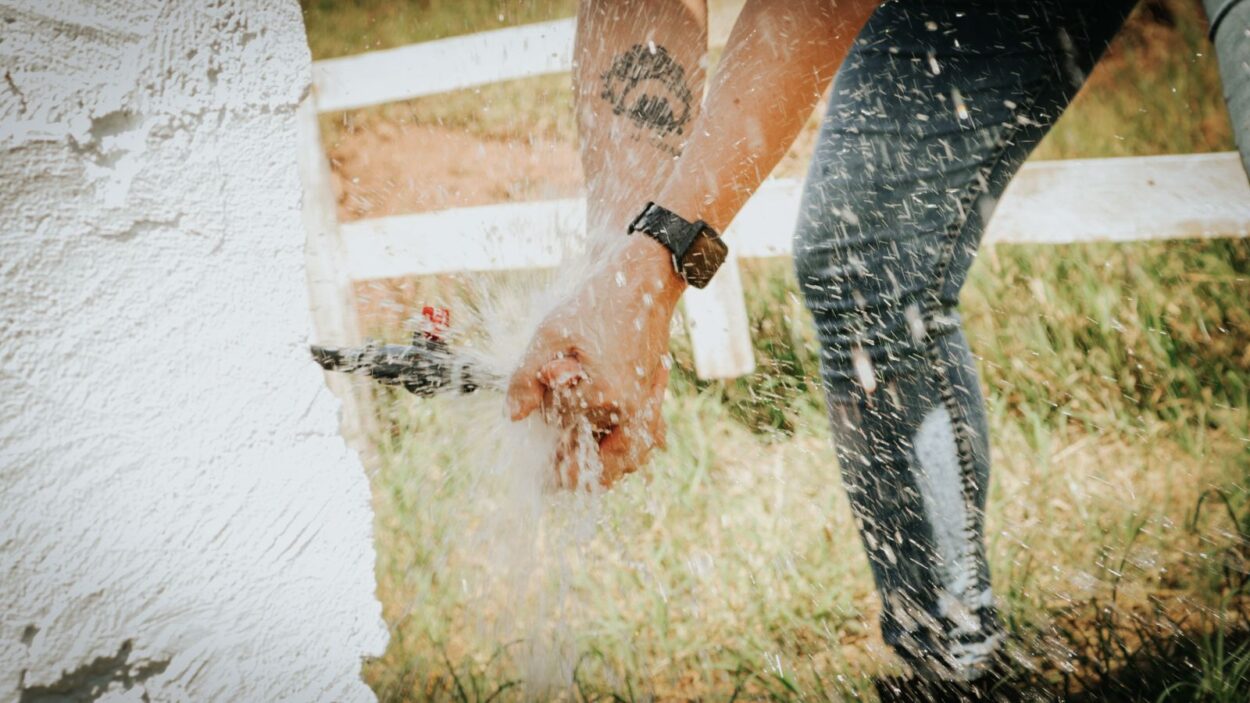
(1049, 202)
(444, 65)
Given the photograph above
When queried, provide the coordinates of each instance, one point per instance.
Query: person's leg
(933, 112)
(638, 83)
(1230, 33)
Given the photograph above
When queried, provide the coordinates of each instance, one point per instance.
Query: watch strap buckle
(642, 214)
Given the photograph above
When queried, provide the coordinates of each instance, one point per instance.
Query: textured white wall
(178, 514)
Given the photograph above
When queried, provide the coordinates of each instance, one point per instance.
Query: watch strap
(697, 250)
(669, 228)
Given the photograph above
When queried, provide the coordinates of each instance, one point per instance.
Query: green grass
(346, 27)
(1117, 381)
(1156, 92)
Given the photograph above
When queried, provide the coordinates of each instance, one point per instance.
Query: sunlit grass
(733, 565)
(346, 27)
(736, 558)
(1156, 92)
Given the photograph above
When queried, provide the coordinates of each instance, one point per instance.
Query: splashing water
(517, 544)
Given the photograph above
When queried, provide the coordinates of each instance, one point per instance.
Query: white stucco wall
(179, 517)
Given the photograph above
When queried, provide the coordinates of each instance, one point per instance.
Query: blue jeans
(933, 112)
(1230, 33)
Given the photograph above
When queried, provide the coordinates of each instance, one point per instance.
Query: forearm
(778, 61)
(638, 84)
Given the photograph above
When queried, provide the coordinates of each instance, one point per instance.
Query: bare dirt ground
(395, 168)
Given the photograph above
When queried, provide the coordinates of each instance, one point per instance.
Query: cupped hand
(598, 366)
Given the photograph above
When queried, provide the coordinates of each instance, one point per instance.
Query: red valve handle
(439, 319)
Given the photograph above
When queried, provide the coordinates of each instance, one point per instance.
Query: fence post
(716, 319)
(329, 285)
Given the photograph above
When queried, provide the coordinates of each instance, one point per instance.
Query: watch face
(703, 258)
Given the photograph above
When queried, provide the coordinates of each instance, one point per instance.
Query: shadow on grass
(1171, 647)
(1145, 655)
(1168, 651)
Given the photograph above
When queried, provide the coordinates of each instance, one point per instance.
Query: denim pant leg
(1230, 32)
(934, 110)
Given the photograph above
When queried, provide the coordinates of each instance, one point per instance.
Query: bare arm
(602, 358)
(638, 83)
(778, 61)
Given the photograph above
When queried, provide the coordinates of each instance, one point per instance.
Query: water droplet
(864, 370)
(961, 108)
(915, 322)
(847, 215)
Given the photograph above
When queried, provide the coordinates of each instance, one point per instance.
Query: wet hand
(598, 367)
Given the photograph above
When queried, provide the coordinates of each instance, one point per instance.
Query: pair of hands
(598, 367)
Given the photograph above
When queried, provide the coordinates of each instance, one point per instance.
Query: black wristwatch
(697, 249)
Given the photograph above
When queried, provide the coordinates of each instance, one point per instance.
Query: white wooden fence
(1053, 202)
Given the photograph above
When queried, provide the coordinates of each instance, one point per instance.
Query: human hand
(598, 366)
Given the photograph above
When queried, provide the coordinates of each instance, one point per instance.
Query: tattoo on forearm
(647, 85)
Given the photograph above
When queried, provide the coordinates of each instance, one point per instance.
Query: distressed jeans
(934, 110)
